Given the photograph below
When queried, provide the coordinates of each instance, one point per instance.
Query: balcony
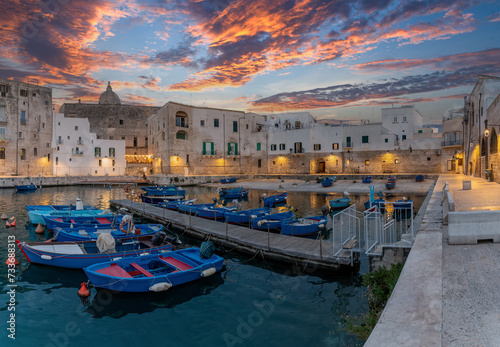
(80, 142)
(60, 142)
(3, 119)
(298, 151)
(4, 139)
(347, 144)
(76, 152)
(209, 154)
(452, 143)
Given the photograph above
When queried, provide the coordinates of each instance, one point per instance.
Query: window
(23, 117)
(2, 112)
(111, 152)
(181, 135)
(335, 146)
(2, 133)
(216, 123)
(202, 123)
(403, 137)
(258, 146)
(364, 139)
(273, 147)
(235, 126)
(181, 121)
(208, 148)
(367, 162)
(395, 119)
(97, 152)
(76, 127)
(259, 162)
(386, 140)
(247, 126)
(35, 152)
(100, 162)
(162, 136)
(123, 137)
(23, 153)
(135, 141)
(298, 147)
(23, 92)
(57, 160)
(20, 135)
(146, 142)
(2, 152)
(3, 89)
(110, 122)
(282, 147)
(121, 121)
(348, 142)
(80, 141)
(232, 148)
(317, 147)
(43, 125)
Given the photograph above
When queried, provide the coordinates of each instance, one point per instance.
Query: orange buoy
(39, 228)
(9, 262)
(84, 290)
(7, 224)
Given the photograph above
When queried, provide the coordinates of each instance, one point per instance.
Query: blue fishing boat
(271, 221)
(340, 203)
(390, 184)
(243, 217)
(153, 273)
(269, 201)
(78, 206)
(367, 179)
(36, 216)
(213, 212)
(92, 233)
(111, 221)
(303, 226)
(236, 193)
(81, 254)
(174, 205)
(328, 181)
(419, 178)
(164, 190)
(191, 208)
(156, 199)
(228, 180)
(26, 188)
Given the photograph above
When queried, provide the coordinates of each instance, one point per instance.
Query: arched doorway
(321, 168)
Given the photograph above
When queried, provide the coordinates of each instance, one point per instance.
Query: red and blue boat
(269, 201)
(81, 254)
(303, 226)
(155, 272)
(108, 222)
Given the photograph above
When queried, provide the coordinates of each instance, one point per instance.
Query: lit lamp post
(486, 134)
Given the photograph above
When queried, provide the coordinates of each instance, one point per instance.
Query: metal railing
(347, 144)
(346, 234)
(452, 143)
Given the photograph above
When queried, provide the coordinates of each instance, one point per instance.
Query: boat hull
(244, 217)
(26, 188)
(69, 257)
(303, 226)
(164, 191)
(275, 199)
(36, 216)
(103, 221)
(271, 221)
(86, 234)
(228, 180)
(340, 203)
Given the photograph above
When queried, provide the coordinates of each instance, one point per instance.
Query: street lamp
(486, 133)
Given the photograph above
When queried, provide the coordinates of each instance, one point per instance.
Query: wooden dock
(315, 254)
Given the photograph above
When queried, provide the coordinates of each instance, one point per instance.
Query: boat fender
(160, 287)
(117, 258)
(253, 216)
(46, 257)
(208, 272)
(321, 226)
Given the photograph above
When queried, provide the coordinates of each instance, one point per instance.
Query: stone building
(78, 152)
(452, 142)
(193, 140)
(476, 121)
(111, 120)
(25, 128)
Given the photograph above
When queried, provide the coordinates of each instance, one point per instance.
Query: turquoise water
(251, 303)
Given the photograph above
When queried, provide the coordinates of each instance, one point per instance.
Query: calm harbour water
(251, 303)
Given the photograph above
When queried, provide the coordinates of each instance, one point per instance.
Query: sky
(335, 59)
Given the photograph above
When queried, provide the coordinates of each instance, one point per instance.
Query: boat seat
(141, 269)
(59, 219)
(72, 221)
(115, 271)
(176, 263)
(103, 220)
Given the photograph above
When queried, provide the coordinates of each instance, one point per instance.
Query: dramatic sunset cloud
(294, 54)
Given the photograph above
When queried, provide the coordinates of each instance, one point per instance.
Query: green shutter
(212, 151)
(204, 148)
(258, 146)
(235, 149)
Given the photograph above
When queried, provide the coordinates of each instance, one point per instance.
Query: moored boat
(156, 272)
(81, 254)
(340, 203)
(390, 185)
(367, 179)
(104, 221)
(303, 226)
(36, 216)
(243, 217)
(419, 178)
(269, 201)
(213, 212)
(328, 181)
(191, 208)
(92, 233)
(228, 180)
(271, 221)
(26, 187)
(236, 193)
(174, 205)
(156, 199)
(164, 190)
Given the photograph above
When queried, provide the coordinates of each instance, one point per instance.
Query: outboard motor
(324, 210)
(158, 238)
(207, 248)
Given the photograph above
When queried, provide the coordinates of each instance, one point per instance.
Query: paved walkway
(447, 295)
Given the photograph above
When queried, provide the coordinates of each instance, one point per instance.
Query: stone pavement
(447, 295)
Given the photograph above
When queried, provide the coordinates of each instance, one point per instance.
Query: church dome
(109, 97)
